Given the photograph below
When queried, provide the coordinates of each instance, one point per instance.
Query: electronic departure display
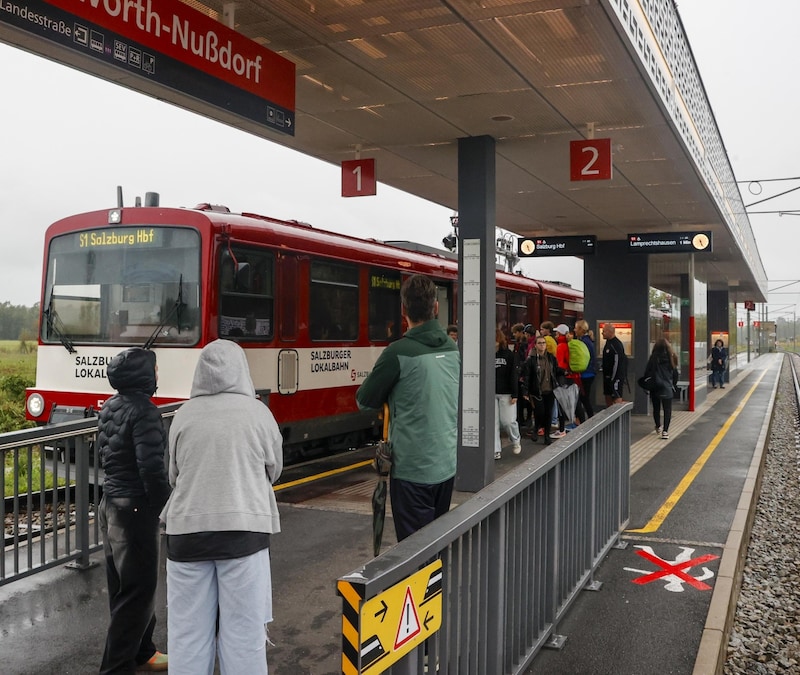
(537, 247)
(671, 242)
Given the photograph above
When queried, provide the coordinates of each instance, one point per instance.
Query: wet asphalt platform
(660, 610)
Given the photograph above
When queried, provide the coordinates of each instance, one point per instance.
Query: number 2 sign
(358, 178)
(590, 159)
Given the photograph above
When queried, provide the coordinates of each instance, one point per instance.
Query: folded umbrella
(383, 465)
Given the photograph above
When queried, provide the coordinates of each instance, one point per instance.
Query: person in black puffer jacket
(131, 443)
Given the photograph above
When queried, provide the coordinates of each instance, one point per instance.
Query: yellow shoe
(158, 663)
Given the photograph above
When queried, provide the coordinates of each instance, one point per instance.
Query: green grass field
(17, 371)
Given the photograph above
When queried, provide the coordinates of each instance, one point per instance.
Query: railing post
(81, 503)
(495, 617)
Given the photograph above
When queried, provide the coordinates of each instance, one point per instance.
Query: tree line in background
(18, 322)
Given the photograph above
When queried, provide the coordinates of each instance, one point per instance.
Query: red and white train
(312, 309)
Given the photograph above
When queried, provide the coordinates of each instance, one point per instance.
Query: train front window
(123, 285)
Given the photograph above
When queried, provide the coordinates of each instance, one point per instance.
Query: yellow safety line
(318, 476)
(661, 515)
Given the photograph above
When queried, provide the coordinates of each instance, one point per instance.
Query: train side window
(501, 311)
(445, 316)
(555, 309)
(384, 305)
(518, 307)
(333, 301)
(247, 302)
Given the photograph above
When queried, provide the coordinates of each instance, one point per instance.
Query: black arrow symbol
(382, 611)
(428, 619)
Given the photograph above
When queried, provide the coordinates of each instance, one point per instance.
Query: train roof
(295, 235)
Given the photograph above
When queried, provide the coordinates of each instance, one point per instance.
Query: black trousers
(658, 403)
(130, 545)
(543, 413)
(414, 505)
(586, 395)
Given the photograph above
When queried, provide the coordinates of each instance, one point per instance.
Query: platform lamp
(450, 242)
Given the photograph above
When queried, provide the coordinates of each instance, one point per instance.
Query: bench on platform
(683, 390)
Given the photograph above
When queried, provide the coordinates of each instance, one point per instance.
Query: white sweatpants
(242, 588)
(505, 416)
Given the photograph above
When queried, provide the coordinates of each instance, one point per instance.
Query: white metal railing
(514, 557)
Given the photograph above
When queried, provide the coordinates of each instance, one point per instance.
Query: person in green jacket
(418, 375)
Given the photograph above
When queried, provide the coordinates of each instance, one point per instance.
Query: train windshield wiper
(55, 325)
(177, 310)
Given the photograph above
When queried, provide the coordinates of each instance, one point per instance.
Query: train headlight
(35, 405)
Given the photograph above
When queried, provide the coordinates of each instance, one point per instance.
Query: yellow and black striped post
(352, 599)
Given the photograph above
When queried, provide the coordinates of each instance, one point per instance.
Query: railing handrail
(59, 430)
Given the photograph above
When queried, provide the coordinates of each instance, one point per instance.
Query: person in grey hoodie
(225, 453)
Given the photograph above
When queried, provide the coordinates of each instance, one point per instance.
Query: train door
(288, 359)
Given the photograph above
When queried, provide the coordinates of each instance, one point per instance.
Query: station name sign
(170, 44)
(538, 247)
(671, 242)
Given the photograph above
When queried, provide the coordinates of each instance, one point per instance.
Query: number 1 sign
(590, 159)
(358, 178)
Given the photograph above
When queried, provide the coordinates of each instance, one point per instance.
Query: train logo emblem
(674, 572)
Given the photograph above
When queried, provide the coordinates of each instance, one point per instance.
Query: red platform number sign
(590, 159)
(358, 178)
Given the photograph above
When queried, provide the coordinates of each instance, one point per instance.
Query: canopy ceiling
(402, 80)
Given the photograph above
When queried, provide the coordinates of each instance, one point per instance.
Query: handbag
(647, 383)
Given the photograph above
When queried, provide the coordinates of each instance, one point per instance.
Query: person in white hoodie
(225, 453)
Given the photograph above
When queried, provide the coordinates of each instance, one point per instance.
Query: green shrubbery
(17, 371)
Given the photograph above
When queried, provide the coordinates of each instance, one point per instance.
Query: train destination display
(671, 242)
(530, 247)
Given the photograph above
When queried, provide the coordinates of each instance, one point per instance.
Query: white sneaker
(658, 431)
(516, 449)
(665, 435)
(497, 455)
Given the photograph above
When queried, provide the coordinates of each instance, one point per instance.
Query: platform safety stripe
(352, 597)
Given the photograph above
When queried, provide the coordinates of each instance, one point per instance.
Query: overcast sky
(70, 139)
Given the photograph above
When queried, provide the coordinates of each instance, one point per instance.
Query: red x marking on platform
(677, 569)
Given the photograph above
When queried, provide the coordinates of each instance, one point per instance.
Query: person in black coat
(131, 442)
(719, 357)
(662, 368)
(540, 375)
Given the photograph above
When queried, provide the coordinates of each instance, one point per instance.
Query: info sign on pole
(378, 632)
(170, 44)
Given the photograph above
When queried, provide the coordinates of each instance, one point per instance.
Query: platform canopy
(402, 80)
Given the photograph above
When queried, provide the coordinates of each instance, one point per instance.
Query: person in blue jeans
(719, 360)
